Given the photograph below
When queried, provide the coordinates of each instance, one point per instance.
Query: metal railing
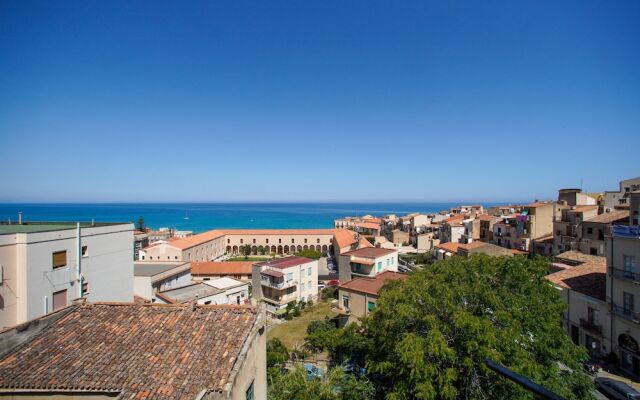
(624, 274)
(631, 315)
(590, 326)
(278, 285)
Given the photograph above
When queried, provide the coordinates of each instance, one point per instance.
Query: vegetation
(312, 254)
(140, 225)
(292, 333)
(371, 239)
(297, 385)
(247, 258)
(428, 336)
(417, 259)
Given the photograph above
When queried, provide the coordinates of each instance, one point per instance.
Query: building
(575, 197)
(471, 231)
(208, 270)
(623, 289)
(466, 250)
(452, 229)
(285, 280)
(217, 292)
(535, 222)
(486, 227)
(582, 286)
(505, 232)
(567, 229)
(150, 277)
(345, 240)
(595, 229)
(44, 266)
(132, 351)
(366, 262)
(400, 237)
(444, 251)
(140, 241)
(357, 297)
(620, 198)
(426, 242)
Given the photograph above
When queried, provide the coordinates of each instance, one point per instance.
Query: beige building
(400, 237)
(357, 297)
(366, 262)
(623, 289)
(221, 291)
(582, 286)
(620, 198)
(285, 280)
(209, 270)
(596, 229)
(131, 351)
(44, 266)
(452, 229)
(568, 228)
(426, 242)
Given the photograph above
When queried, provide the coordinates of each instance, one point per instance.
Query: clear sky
(316, 100)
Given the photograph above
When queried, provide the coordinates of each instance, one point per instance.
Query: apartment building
(471, 231)
(623, 289)
(620, 198)
(140, 241)
(400, 237)
(568, 228)
(426, 242)
(151, 277)
(505, 232)
(596, 229)
(285, 280)
(44, 266)
(357, 297)
(582, 286)
(444, 251)
(366, 262)
(452, 229)
(486, 227)
(535, 224)
(131, 351)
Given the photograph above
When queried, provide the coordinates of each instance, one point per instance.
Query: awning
(271, 272)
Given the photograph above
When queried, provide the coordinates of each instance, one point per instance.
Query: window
(293, 240)
(228, 241)
(207, 279)
(370, 305)
(85, 288)
(248, 395)
(207, 302)
(305, 240)
(388, 261)
(60, 259)
(289, 276)
(241, 241)
(267, 241)
(309, 272)
(628, 302)
(592, 316)
(309, 285)
(84, 251)
(345, 301)
(254, 241)
(59, 299)
(318, 240)
(279, 240)
(302, 287)
(379, 265)
(590, 231)
(629, 263)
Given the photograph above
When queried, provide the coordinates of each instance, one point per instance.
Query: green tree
(245, 250)
(371, 239)
(296, 385)
(261, 250)
(312, 254)
(140, 225)
(277, 356)
(320, 334)
(428, 336)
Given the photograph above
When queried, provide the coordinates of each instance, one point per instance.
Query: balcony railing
(278, 284)
(590, 326)
(280, 299)
(631, 315)
(623, 274)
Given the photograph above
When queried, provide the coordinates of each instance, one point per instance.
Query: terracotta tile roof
(196, 240)
(539, 204)
(221, 268)
(367, 225)
(610, 217)
(142, 351)
(451, 247)
(454, 219)
(369, 252)
(371, 286)
(576, 257)
(277, 231)
(344, 237)
(581, 209)
(472, 245)
(589, 279)
(363, 243)
(373, 220)
(284, 262)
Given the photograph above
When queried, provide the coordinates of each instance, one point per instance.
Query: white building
(285, 280)
(366, 262)
(151, 277)
(233, 290)
(39, 267)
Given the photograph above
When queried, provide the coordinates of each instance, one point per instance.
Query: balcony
(628, 275)
(280, 300)
(363, 270)
(278, 284)
(590, 326)
(631, 315)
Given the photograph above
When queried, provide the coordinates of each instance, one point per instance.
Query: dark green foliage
(312, 254)
(277, 353)
(371, 239)
(140, 225)
(296, 385)
(428, 336)
(328, 293)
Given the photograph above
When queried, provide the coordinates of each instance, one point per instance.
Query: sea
(200, 217)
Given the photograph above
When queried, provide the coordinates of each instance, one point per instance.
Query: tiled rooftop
(589, 279)
(284, 262)
(372, 286)
(221, 268)
(370, 252)
(142, 351)
(610, 217)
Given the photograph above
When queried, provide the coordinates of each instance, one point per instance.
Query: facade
(40, 271)
(219, 291)
(471, 230)
(596, 229)
(426, 242)
(150, 277)
(130, 351)
(620, 198)
(399, 237)
(285, 280)
(582, 286)
(366, 262)
(452, 229)
(486, 227)
(357, 297)
(233, 291)
(140, 241)
(444, 251)
(568, 228)
(623, 289)
(209, 270)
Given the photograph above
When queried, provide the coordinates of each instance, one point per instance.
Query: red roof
(369, 252)
(285, 262)
(221, 268)
(589, 279)
(371, 286)
(451, 247)
(344, 237)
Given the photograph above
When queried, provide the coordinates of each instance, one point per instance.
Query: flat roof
(189, 292)
(150, 269)
(33, 227)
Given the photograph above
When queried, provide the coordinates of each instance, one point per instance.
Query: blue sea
(202, 217)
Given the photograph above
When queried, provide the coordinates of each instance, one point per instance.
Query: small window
(84, 251)
(207, 302)
(318, 240)
(589, 231)
(279, 240)
(309, 272)
(207, 279)
(267, 241)
(254, 241)
(248, 395)
(60, 259)
(305, 240)
(293, 240)
(241, 241)
(59, 300)
(370, 305)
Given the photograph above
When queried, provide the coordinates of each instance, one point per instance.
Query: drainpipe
(79, 279)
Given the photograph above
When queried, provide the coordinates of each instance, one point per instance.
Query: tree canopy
(338, 385)
(428, 336)
(312, 254)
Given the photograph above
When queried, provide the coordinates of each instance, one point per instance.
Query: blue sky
(325, 100)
